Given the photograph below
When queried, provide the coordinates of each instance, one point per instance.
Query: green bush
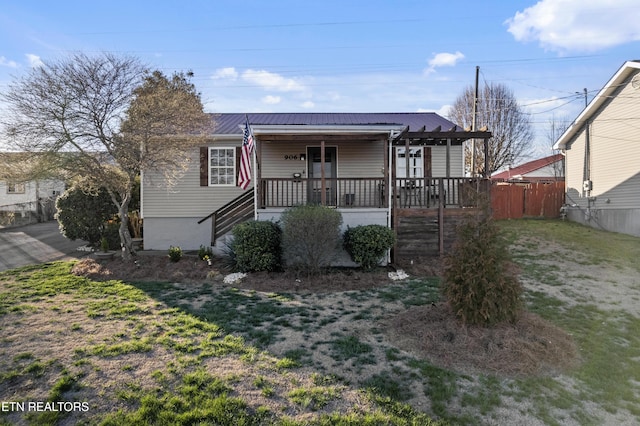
(366, 244)
(256, 246)
(83, 216)
(310, 237)
(479, 280)
(175, 254)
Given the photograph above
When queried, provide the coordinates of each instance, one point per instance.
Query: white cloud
(443, 59)
(271, 81)
(271, 100)
(577, 25)
(7, 63)
(228, 73)
(308, 105)
(34, 60)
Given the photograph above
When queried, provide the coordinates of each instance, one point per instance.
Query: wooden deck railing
(238, 210)
(369, 192)
(340, 192)
(431, 192)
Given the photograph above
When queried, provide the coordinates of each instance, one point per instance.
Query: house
(602, 156)
(547, 169)
(372, 167)
(24, 201)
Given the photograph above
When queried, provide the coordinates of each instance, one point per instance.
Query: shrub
(111, 231)
(366, 244)
(257, 246)
(175, 253)
(479, 281)
(83, 215)
(104, 244)
(310, 237)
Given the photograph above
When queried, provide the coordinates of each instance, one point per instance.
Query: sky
(344, 56)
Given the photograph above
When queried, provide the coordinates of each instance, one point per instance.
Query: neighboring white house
(602, 150)
(344, 160)
(23, 200)
(28, 202)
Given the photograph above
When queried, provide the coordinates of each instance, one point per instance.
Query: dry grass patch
(145, 268)
(532, 346)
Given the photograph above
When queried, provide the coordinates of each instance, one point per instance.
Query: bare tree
(555, 128)
(498, 111)
(105, 118)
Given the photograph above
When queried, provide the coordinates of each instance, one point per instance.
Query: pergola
(436, 137)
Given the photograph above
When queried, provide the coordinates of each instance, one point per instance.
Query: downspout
(586, 181)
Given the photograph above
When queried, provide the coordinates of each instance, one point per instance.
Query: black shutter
(204, 166)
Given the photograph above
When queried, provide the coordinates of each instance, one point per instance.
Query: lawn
(75, 350)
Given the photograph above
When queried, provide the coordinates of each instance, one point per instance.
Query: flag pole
(254, 171)
(255, 179)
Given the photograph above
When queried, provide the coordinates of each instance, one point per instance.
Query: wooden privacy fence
(515, 200)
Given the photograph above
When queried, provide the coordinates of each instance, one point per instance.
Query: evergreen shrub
(256, 246)
(84, 215)
(479, 280)
(366, 244)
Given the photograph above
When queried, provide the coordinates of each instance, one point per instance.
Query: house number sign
(291, 157)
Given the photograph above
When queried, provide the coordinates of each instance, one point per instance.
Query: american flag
(244, 177)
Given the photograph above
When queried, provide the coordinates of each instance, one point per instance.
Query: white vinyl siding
(354, 159)
(439, 161)
(615, 149)
(574, 175)
(358, 159)
(187, 199)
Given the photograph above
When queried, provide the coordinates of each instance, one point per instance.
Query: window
(222, 166)
(15, 188)
(416, 164)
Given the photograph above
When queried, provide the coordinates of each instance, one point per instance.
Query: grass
(161, 353)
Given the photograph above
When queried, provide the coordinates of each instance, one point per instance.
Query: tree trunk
(128, 252)
(126, 243)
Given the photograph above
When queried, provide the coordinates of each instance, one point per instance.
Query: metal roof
(232, 123)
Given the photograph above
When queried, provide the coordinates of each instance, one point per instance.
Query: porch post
(323, 192)
(448, 159)
(385, 172)
(407, 173)
(257, 186)
(486, 158)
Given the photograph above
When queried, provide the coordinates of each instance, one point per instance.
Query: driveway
(38, 243)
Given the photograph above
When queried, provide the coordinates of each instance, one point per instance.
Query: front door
(314, 166)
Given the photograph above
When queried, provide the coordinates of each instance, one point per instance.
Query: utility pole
(586, 100)
(474, 124)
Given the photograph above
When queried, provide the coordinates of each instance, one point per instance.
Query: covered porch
(412, 169)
